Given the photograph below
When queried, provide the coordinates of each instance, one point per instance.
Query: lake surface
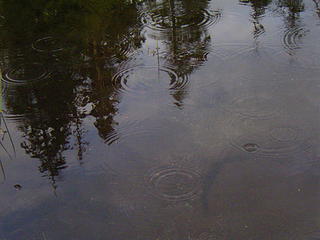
(160, 120)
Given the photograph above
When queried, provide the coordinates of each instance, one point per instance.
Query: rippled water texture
(174, 184)
(160, 120)
(23, 74)
(47, 44)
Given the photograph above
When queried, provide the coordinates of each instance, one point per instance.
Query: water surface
(160, 120)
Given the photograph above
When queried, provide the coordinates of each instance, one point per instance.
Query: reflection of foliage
(293, 6)
(100, 34)
(96, 36)
(97, 26)
(101, 97)
(291, 10)
(258, 6)
(101, 26)
(288, 8)
(317, 6)
(47, 126)
(4, 130)
(258, 11)
(185, 38)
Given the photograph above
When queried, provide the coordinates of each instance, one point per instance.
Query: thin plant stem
(7, 129)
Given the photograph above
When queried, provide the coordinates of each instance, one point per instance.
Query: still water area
(160, 120)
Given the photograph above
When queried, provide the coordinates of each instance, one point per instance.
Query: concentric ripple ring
(174, 184)
(26, 73)
(47, 44)
(253, 107)
(292, 38)
(142, 79)
(197, 18)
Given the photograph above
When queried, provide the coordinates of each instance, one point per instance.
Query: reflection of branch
(4, 148)
(1, 165)
(258, 28)
(2, 170)
(1, 143)
(7, 130)
(4, 121)
(316, 2)
(44, 236)
(80, 142)
(53, 185)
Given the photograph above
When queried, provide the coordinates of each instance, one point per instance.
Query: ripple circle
(250, 147)
(156, 21)
(26, 73)
(266, 137)
(253, 107)
(139, 80)
(284, 134)
(174, 184)
(47, 44)
(293, 38)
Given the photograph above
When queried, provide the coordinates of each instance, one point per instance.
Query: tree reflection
(182, 25)
(291, 10)
(317, 6)
(81, 44)
(93, 36)
(258, 11)
(46, 126)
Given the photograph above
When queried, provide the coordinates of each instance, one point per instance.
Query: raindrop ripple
(143, 79)
(263, 137)
(26, 73)
(292, 39)
(47, 44)
(174, 184)
(155, 20)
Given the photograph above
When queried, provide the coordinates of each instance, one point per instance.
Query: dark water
(160, 120)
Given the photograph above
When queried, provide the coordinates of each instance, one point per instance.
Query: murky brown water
(160, 120)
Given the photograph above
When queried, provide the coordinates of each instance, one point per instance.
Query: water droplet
(265, 138)
(18, 187)
(251, 147)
